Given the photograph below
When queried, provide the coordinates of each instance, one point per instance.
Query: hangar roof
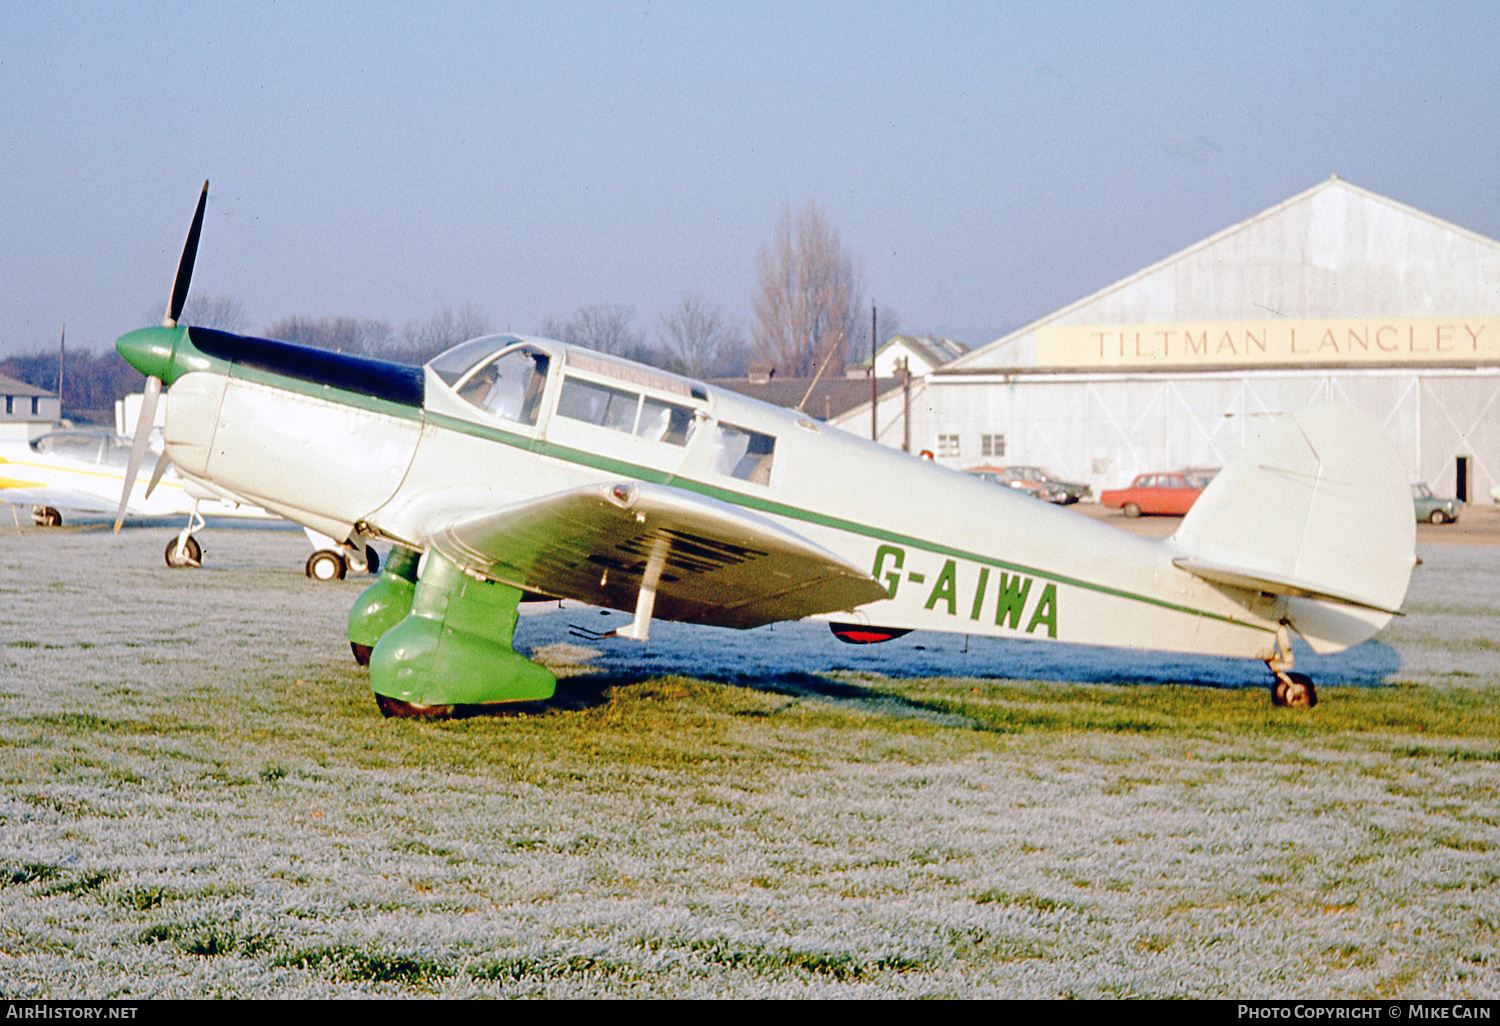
(1330, 254)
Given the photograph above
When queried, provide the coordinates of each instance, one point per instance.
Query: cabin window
(743, 454)
(509, 386)
(666, 422)
(593, 403)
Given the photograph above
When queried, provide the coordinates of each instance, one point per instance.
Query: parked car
(1063, 492)
(1169, 494)
(1003, 477)
(1432, 509)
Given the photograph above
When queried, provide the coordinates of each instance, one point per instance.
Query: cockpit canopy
(100, 447)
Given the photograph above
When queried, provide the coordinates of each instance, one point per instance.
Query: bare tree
(340, 334)
(222, 312)
(444, 330)
(605, 327)
(699, 341)
(809, 298)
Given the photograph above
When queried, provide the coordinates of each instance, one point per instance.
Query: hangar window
(947, 445)
(991, 445)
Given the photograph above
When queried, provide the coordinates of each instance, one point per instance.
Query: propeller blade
(138, 446)
(162, 463)
(185, 265)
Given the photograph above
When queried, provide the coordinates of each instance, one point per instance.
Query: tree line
(808, 320)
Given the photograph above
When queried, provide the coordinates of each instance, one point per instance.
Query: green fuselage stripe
(609, 465)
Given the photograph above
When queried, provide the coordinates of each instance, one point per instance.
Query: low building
(26, 412)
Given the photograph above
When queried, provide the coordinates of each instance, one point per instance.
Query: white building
(27, 411)
(1336, 292)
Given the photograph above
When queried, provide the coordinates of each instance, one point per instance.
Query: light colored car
(1432, 509)
(1062, 492)
(1003, 477)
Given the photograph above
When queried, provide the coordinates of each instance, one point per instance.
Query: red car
(1169, 494)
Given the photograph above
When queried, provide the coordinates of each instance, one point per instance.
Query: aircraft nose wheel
(326, 565)
(1294, 691)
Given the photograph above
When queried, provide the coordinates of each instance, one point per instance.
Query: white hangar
(1336, 292)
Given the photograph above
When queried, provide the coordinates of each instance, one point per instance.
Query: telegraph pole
(62, 353)
(873, 343)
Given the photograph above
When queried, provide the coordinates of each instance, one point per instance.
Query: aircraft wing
(27, 493)
(718, 564)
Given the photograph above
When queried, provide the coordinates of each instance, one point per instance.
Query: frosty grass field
(200, 799)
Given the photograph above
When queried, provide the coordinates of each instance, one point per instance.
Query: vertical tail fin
(1318, 509)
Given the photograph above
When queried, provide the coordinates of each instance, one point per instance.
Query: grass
(221, 812)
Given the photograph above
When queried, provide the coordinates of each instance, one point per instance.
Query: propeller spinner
(153, 383)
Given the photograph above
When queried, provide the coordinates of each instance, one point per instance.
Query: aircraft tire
(46, 516)
(1132, 510)
(395, 708)
(370, 564)
(192, 554)
(1294, 691)
(361, 654)
(325, 565)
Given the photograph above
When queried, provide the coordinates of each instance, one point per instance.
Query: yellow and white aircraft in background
(511, 467)
(82, 470)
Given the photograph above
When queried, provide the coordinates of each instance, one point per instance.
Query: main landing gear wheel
(326, 565)
(1132, 510)
(395, 708)
(362, 657)
(1294, 691)
(46, 516)
(189, 553)
(367, 564)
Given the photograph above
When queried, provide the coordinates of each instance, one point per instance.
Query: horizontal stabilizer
(1272, 585)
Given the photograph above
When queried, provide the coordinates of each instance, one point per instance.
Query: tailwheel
(1294, 691)
(326, 565)
(183, 552)
(395, 708)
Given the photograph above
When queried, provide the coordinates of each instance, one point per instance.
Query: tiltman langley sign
(1343, 341)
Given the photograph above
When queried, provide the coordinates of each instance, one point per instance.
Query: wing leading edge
(712, 563)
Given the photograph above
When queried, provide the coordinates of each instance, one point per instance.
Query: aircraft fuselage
(349, 446)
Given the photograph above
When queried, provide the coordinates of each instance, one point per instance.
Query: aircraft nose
(150, 350)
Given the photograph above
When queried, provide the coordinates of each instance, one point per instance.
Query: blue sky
(986, 163)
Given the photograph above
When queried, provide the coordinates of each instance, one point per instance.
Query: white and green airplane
(511, 468)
